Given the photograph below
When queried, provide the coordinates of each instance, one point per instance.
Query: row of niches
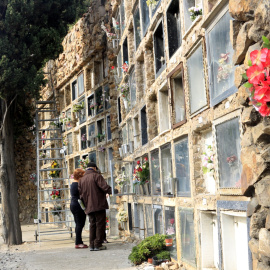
(203, 163)
(185, 227)
(102, 157)
(89, 79)
(85, 109)
(191, 83)
(93, 135)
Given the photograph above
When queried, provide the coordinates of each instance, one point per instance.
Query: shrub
(148, 248)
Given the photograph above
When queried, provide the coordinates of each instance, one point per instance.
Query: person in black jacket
(78, 213)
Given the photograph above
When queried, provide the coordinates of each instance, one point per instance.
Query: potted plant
(169, 240)
(54, 173)
(100, 137)
(141, 173)
(148, 248)
(124, 93)
(77, 108)
(195, 12)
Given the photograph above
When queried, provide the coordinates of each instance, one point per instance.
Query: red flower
(138, 162)
(145, 159)
(264, 110)
(262, 92)
(255, 74)
(112, 67)
(259, 57)
(57, 193)
(140, 169)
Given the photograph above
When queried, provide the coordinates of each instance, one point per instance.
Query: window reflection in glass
(196, 80)
(137, 28)
(187, 236)
(220, 52)
(155, 173)
(80, 84)
(170, 229)
(149, 222)
(166, 168)
(182, 167)
(188, 4)
(229, 149)
(158, 219)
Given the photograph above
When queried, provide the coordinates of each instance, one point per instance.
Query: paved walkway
(61, 254)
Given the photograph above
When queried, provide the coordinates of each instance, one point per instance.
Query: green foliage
(244, 75)
(266, 42)
(248, 85)
(148, 248)
(164, 255)
(31, 32)
(249, 63)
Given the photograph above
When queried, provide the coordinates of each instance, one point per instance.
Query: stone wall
(252, 20)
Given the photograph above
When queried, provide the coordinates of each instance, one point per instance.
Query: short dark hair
(91, 165)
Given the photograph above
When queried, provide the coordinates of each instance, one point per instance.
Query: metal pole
(112, 183)
(37, 165)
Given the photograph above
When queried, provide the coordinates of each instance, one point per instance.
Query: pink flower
(255, 74)
(264, 110)
(259, 57)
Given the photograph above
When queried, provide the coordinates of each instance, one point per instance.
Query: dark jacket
(93, 189)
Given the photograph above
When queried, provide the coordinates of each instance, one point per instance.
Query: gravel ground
(61, 254)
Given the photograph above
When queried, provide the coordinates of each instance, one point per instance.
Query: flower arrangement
(93, 106)
(170, 230)
(115, 24)
(43, 154)
(124, 90)
(151, 3)
(125, 67)
(33, 178)
(56, 173)
(208, 161)
(195, 12)
(101, 136)
(55, 124)
(83, 163)
(55, 194)
(122, 215)
(83, 138)
(63, 119)
(141, 172)
(65, 141)
(107, 224)
(259, 79)
(231, 160)
(224, 69)
(121, 180)
(101, 149)
(78, 107)
(109, 35)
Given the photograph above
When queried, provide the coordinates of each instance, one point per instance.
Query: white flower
(210, 166)
(211, 173)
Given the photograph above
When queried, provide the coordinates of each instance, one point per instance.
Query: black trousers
(97, 228)
(79, 218)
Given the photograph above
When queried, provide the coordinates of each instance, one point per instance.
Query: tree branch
(4, 118)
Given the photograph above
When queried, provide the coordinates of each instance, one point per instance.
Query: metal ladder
(59, 206)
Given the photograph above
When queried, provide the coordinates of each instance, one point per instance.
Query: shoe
(106, 241)
(92, 249)
(81, 246)
(100, 248)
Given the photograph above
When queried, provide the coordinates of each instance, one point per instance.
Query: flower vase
(125, 104)
(141, 190)
(76, 115)
(63, 127)
(169, 242)
(146, 188)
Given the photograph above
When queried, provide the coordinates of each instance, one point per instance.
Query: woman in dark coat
(78, 213)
